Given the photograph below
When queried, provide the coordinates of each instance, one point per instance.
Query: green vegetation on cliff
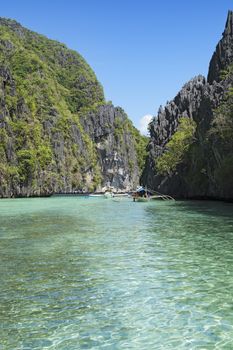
(220, 140)
(140, 141)
(177, 147)
(46, 72)
(181, 165)
(48, 85)
(201, 155)
(49, 99)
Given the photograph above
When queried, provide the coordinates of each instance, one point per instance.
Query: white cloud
(143, 124)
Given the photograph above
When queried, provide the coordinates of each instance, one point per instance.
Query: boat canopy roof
(140, 189)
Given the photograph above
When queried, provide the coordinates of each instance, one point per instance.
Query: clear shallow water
(80, 273)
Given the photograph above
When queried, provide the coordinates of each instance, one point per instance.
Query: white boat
(108, 195)
(121, 195)
(95, 195)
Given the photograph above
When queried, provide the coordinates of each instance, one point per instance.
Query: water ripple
(81, 273)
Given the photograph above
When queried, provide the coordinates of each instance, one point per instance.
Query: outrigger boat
(141, 195)
(144, 195)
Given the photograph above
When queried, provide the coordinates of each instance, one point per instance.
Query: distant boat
(95, 195)
(144, 195)
(108, 195)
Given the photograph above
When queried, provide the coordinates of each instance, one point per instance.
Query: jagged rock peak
(184, 104)
(223, 55)
(229, 24)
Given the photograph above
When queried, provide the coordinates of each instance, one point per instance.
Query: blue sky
(141, 51)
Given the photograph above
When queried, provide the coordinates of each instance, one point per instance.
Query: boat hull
(141, 199)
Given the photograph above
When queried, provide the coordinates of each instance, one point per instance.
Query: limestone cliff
(223, 55)
(204, 165)
(57, 133)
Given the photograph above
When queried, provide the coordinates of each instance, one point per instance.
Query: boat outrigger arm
(145, 194)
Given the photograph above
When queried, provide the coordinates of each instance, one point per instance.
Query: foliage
(124, 127)
(51, 86)
(227, 72)
(222, 124)
(223, 175)
(140, 144)
(220, 139)
(177, 147)
(27, 163)
(49, 89)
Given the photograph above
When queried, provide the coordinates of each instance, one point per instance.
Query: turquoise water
(79, 273)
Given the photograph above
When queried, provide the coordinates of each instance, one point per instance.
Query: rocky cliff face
(57, 133)
(111, 132)
(200, 173)
(223, 55)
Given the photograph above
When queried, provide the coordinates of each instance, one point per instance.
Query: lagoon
(91, 273)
